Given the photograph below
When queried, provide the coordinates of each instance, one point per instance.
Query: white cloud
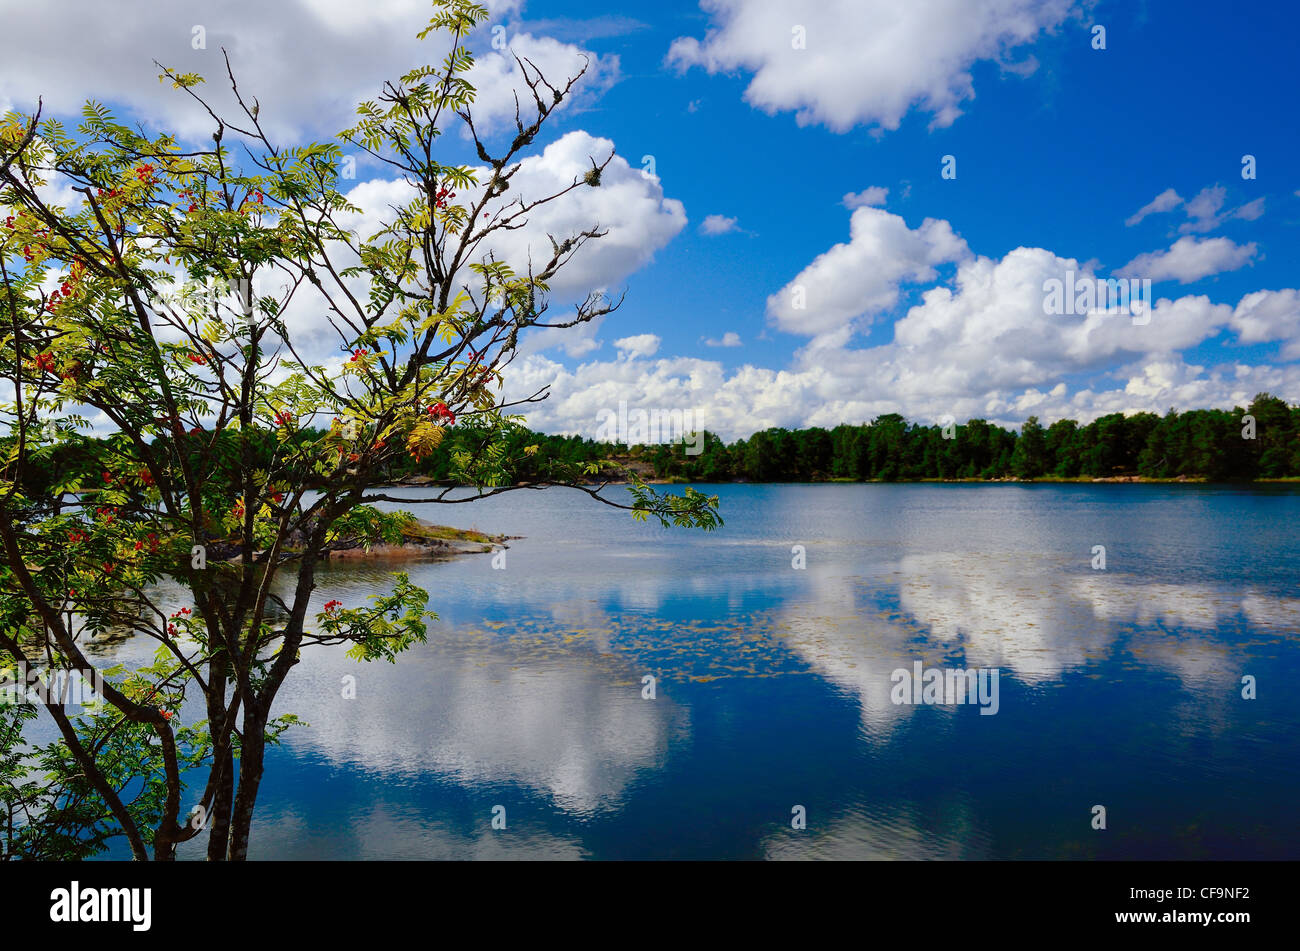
(717, 224)
(1266, 316)
(1190, 259)
(641, 345)
(978, 346)
(729, 339)
(1204, 213)
(850, 283)
(1251, 211)
(496, 78)
(873, 196)
(308, 62)
(628, 205)
(1167, 200)
(864, 64)
(1203, 210)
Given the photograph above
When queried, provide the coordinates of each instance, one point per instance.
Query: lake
(775, 693)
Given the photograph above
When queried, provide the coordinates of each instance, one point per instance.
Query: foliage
(1198, 444)
(160, 304)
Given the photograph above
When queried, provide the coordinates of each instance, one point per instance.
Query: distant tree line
(1199, 444)
(1209, 444)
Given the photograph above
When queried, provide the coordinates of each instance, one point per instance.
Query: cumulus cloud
(717, 224)
(843, 63)
(1266, 316)
(868, 197)
(979, 345)
(640, 345)
(629, 206)
(307, 61)
(846, 286)
(497, 78)
(1190, 259)
(728, 339)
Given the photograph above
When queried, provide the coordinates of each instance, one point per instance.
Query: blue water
(1119, 687)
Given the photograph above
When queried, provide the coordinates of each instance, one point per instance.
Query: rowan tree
(157, 306)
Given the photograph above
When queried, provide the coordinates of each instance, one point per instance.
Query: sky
(824, 211)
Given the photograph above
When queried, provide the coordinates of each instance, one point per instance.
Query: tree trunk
(250, 778)
(219, 834)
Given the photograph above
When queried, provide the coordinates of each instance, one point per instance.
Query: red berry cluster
(444, 195)
(153, 541)
(440, 412)
(64, 290)
(330, 606)
(358, 354)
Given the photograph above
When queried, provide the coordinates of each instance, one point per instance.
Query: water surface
(1120, 687)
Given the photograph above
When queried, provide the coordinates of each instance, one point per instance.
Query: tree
(1063, 446)
(1029, 458)
(1276, 433)
(214, 475)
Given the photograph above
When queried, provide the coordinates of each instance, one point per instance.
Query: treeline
(1210, 444)
(1261, 441)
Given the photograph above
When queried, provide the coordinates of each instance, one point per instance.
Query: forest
(1261, 441)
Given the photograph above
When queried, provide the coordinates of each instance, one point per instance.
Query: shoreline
(420, 539)
(1041, 480)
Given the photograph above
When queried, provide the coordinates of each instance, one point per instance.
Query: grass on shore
(417, 529)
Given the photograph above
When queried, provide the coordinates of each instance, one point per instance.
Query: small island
(421, 539)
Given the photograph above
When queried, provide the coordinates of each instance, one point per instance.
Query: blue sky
(1058, 145)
